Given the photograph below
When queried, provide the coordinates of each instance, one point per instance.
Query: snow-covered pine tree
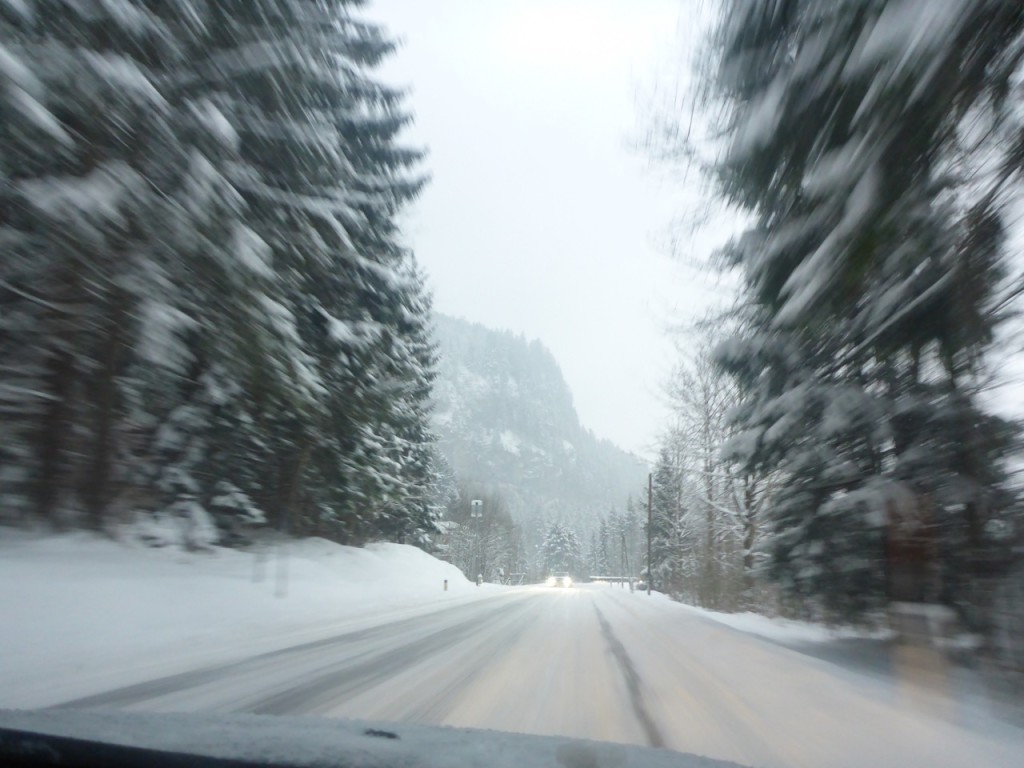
(561, 550)
(22, 359)
(410, 512)
(443, 489)
(317, 175)
(872, 279)
(604, 549)
(666, 511)
(212, 366)
(88, 140)
(205, 306)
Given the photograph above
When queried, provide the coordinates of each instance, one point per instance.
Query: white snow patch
(904, 33)
(354, 333)
(252, 251)
(13, 70)
(777, 629)
(125, 76)
(510, 442)
(160, 340)
(91, 614)
(20, 7)
(217, 124)
(35, 111)
(98, 194)
(784, 630)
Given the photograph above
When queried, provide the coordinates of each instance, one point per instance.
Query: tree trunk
(98, 489)
(292, 486)
(749, 535)
(53, 435)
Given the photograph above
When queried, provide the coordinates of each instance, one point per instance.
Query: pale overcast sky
(540, 218)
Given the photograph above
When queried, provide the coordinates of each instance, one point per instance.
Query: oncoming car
(559, 580)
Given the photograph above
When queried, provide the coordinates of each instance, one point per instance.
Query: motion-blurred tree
(873, 145)
(90, 158)
(205, 304)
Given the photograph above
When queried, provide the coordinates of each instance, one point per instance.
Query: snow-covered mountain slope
(506, 423)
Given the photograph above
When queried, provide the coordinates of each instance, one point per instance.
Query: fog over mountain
(506, 422)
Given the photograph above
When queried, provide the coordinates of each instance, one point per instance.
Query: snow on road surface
(596, 662)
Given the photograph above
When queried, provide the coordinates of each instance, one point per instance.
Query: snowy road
(601, 663)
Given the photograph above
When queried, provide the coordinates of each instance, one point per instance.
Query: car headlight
(568, 581)
(551, 581)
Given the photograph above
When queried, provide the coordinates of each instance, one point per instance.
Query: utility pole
(650, 570)
(623, 562)
(476, 512)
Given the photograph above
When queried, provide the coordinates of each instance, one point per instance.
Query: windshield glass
(642, 371)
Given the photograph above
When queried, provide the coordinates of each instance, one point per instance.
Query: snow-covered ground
(727, 694)
(370, 634)
(82, 614)
(784, 630)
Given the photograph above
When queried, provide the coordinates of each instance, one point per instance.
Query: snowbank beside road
(786, 630)
(776, 629)
(81, 613)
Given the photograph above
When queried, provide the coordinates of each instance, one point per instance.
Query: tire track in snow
(636, 698)
(354, 676)
(358, 648)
